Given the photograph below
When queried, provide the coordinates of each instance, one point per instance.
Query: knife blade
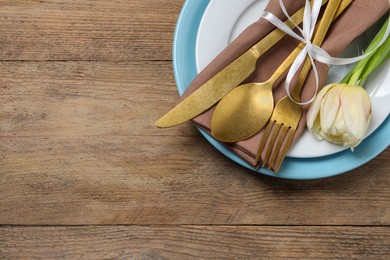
(224, 81)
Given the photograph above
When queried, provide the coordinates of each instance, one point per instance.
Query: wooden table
(84, 173)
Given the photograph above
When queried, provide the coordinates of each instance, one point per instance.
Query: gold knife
(224, 81)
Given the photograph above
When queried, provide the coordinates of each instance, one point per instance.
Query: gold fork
(281, 128)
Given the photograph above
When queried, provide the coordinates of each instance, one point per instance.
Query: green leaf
(355, 74)
(380, 55)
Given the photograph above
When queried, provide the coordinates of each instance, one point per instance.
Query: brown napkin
(357, 18)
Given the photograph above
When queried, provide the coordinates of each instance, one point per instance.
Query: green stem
(347, 77)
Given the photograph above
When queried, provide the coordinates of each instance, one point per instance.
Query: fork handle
(329, 14)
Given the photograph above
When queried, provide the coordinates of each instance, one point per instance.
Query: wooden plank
(172, 180)
(114, 30)
(86, 98)
(194, 242)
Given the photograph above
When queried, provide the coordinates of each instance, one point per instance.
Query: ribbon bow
(314, 52)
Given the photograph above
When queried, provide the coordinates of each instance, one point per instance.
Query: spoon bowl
(255, 100)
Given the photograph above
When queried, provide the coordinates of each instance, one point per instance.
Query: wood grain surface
(85, 174)
(194, 242)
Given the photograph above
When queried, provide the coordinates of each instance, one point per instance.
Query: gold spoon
(245, 110)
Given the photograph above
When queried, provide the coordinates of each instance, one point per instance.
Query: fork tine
(274, 134)
(284, 149)
(278, 143)
(264, 139)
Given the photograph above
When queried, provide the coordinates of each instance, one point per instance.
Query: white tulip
(341, 114)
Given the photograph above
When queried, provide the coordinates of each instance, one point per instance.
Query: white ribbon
(314, 52)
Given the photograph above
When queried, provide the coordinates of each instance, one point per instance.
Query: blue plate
(292, 168)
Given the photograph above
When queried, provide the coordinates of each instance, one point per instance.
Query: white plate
(224, 20)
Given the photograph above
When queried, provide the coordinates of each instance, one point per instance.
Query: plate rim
(195, 9)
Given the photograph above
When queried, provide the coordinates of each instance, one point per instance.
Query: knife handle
(276, 35)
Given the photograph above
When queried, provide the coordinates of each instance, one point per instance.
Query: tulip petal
(312, 114)
(337, 131)
(356, 106)
(330, 107)
(316, 130)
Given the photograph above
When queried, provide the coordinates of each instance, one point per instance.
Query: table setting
(233, 120)
(194, 129)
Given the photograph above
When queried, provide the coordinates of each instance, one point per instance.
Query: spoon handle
(319, 37)
(342, 5)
